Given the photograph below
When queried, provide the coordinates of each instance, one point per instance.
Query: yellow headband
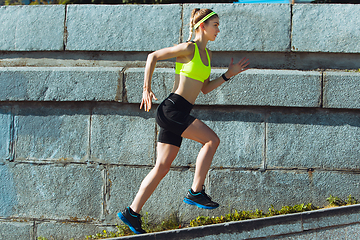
(204, 19)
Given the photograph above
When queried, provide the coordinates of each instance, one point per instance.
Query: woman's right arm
(183, 49)
(148, 95)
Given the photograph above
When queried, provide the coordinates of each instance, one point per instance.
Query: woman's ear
(202, 26)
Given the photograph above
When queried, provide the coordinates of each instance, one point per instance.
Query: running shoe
(200, 199)
(133, 220)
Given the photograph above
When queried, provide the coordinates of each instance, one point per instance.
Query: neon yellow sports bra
(194, 69)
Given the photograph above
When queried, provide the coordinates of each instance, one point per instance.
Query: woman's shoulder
(186, 48)
(189, 46)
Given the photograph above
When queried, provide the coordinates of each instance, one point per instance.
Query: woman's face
(211, 28)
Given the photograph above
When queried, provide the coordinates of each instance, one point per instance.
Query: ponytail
(192, 22)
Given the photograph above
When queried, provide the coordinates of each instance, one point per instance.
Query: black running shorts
(173, 117)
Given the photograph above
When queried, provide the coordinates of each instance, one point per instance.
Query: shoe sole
(123, 218)
(191, 202)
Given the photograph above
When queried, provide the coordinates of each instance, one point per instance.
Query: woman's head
(198, 16)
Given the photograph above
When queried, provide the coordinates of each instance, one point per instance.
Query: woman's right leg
(166, 154)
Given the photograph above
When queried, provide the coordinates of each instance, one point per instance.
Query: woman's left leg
(201, 133)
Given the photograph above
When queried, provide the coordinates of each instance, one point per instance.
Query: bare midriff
(187, 87)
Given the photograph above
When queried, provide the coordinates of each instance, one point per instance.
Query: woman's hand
(237, 68)
(147, 98)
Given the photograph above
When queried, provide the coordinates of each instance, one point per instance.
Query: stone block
(162, 84)
(52, 192)
(61, 84)
(313, 139)
(66, 231)
(122, 27)
(32, 28)
(16, 230)
(254, 87)
(5, 129)
(326, 28)
(250, 190)
(336, 183)
(341, 90)
(242, 138)
(52, 133)
(247, 27)
(287, 88)
(122, 134)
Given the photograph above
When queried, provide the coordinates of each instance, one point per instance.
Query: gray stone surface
(61, 84)
(16, 230)
(48, 133)
(122, 134)
(122, 27)
(313, 139)
(32, 28)
(353, 230)
(247, 27)
(52, 192)
(266, 88)
(341, 90)
(5, 129)
(253, 87)
(326, 28)
(241, 134)
(8, 192)
(66, 231)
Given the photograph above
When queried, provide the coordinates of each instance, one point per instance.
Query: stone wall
(75, 145)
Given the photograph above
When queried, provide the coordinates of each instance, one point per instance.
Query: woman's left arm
(233, 70)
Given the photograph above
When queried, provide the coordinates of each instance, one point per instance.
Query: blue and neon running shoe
(132, 219)
(200, 199)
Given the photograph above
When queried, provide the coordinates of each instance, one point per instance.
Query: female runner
(192, 73)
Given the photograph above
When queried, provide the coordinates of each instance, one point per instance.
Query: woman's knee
(215, 140)
(161, 170)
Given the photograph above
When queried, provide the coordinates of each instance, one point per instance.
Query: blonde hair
(196, 15)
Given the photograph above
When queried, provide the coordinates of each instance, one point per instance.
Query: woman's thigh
(200, 132)
(166, 153)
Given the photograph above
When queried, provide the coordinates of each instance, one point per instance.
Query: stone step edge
(258, 226)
